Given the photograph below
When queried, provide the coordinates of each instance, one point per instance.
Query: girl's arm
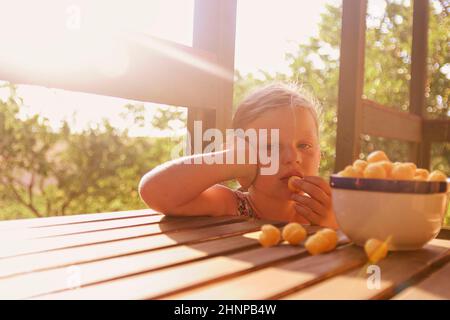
(181, 188)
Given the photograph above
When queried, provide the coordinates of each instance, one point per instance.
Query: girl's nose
(290, 155)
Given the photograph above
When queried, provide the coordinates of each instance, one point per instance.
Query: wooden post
(214, 31)
(351, 82)
(419, 153)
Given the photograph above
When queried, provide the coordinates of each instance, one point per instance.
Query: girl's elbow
(147, 192)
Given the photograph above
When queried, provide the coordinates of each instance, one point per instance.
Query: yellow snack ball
(403, 171)
(332, 237)
(437, 175)
(419, 178)
(387, 165)
(322, 241)
(269, 236)
(294, 233)
(421, 174)
(376, 156)
(375, 250)
(291, 185)
(412, 165)
(350, 172)
(316, 244)
(360, 165)
(375, 171)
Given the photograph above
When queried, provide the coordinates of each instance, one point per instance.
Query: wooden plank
(166, 256)
(434, 287)
(67, 257)
(273, 281)
(214, 31)
(419, 52)
(437, 130)
(67, 229)
(168, 223)
(208, 120)
(382, 121)
(159, 70)
(155, 284)
(75, 240)
(72, 219)
(32, 284)
(395, 270)
(419, 152)
(351, 81)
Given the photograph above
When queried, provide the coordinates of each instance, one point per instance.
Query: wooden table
(145, 255)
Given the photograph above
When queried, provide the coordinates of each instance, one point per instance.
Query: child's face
(299, 151)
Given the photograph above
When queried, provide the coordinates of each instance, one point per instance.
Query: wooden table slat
(17, 287)
(96, 271)
(396, 269)
(142, 254)
(95, 252)
(273, 281)
(79, 218)
(158, 283)
(159, 222)
(73, 240)
(435, 287)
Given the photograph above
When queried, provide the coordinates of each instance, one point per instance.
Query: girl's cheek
(311, 164)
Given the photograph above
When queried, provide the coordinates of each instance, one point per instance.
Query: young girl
(180, 188)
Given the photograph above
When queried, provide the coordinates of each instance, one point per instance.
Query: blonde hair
(273, 96)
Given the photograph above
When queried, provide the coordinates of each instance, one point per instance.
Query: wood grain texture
(74, 219)
(160, 71)
(382, 121)
(155, 224)
(435, 287)
(134, 237)
(56, 279)
(395, 270)
(154, 284)
(351, 82)
(275, 281)
(75, 255)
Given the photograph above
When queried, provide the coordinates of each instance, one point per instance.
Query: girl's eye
(304, 146)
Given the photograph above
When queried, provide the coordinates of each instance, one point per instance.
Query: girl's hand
(317, 208)
(245, 161)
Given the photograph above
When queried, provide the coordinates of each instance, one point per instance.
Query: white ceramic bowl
(410, 219)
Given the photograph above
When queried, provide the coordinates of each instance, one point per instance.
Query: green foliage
(46, 173)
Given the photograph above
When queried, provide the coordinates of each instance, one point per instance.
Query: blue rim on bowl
(384, 185)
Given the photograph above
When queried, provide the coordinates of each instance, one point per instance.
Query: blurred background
(66, 152)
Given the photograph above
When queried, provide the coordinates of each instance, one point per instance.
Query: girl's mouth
(285, 180)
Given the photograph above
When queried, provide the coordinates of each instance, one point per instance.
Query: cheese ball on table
(269, 236)
(294, 233)
(375, 250)
(322, 241)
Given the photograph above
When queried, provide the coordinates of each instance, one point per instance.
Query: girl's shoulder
(244, 207)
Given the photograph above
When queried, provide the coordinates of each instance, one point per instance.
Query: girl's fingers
(311, 203)
(308, 214)
(314, 191)
(321, 183)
